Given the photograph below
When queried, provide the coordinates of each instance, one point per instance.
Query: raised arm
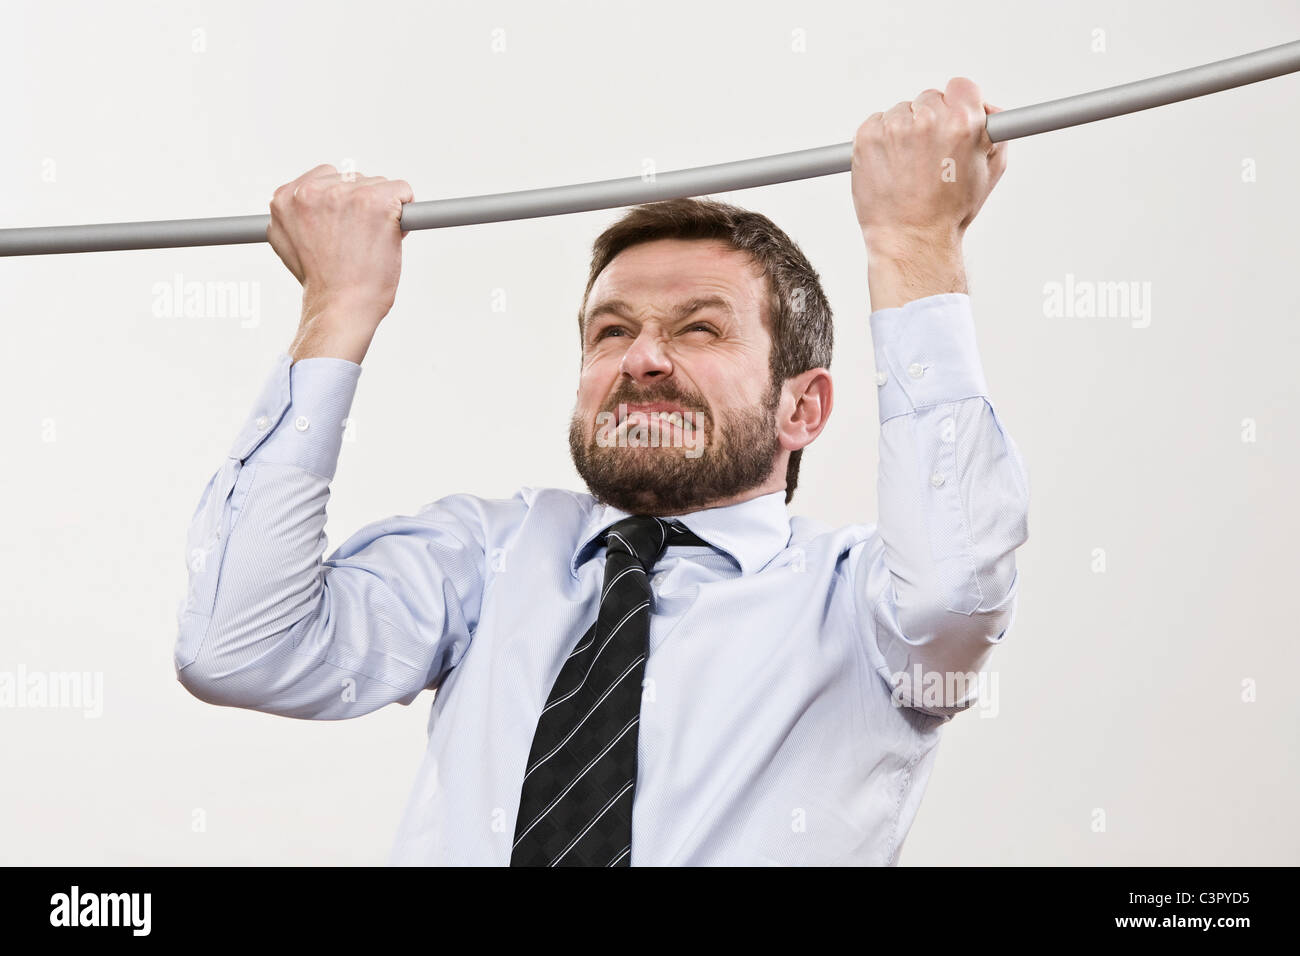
(267, 624)
(936, 588)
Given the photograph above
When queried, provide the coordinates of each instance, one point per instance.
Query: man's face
(675, 409)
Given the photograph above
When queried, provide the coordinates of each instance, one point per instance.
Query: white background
(1119, 691)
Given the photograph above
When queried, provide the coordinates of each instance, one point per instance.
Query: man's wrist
(904, 266)
(333, 333)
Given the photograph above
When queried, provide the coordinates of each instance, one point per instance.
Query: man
(670, 669)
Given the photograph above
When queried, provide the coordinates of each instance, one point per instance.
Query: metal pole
(699, 181)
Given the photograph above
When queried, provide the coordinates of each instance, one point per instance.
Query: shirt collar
(751, 532)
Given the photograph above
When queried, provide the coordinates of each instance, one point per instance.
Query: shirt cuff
(926, 354)
(300, 416)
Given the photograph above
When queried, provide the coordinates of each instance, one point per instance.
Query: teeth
(670, 418)
(674, 418)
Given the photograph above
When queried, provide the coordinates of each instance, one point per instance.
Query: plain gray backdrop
(1146, 692)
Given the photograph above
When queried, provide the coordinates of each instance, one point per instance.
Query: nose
(646, 359)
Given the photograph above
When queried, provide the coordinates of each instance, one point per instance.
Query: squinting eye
(604, 332)
(700, 325)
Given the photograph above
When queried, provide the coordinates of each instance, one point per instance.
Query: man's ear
(805, 407)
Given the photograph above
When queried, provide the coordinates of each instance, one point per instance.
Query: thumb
(990, 147)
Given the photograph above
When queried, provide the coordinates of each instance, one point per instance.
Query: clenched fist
(922, 169)
(341, 237)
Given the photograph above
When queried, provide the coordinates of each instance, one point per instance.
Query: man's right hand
(341, 238)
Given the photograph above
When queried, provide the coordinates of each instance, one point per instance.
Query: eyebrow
(620, 308)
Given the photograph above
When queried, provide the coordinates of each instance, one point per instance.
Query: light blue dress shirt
(792, 706)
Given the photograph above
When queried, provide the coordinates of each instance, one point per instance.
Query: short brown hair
(798, 316)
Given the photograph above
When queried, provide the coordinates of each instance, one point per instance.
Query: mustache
(667, 393)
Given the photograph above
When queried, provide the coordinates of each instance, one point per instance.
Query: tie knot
(645, 537)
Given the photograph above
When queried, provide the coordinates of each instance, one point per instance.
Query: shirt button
(937, 480)
(947, 430)
(881, 378)
(915, 370)
(262, 423)
(301, 423)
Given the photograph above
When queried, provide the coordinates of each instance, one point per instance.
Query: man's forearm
(902, 268)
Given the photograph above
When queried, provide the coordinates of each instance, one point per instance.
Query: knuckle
(964, 91)
(958, 125)
(341, 193)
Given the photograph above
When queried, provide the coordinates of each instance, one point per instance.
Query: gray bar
(699, 181)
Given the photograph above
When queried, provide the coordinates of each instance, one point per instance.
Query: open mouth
(665, 412)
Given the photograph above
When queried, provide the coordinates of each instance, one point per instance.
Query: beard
(736, 454)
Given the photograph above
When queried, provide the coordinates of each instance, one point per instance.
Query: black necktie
(576, 805)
